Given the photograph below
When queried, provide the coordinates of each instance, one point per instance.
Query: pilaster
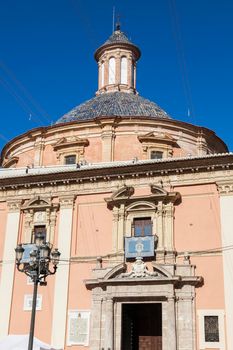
(115, 229)
(185, 320)
(160, 225)
(109, 317)
(39, 148)
(62, 275)
(168, 226)
(8, 268)
(96, 324)
(108, 138)
(169, 325)
(225, 190)
(121, 227)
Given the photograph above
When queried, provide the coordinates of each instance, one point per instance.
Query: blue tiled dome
(114, 104)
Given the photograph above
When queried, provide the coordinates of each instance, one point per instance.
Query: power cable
(20, 101)
(107, 257)
(25, 91)
(181, 58)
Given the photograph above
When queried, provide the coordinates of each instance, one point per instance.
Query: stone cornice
(196, 281)
(122, 171)
(11, 161)
(155, 137)
(167, 197)
(70, 142)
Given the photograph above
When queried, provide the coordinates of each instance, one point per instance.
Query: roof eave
(119, 45)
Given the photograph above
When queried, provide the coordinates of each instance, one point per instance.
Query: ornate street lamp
(37, 266)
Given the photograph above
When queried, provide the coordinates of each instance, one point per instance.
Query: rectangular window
(78, 327)
(27, 306)
(142, 227)
(71, 159)
(41, 229)
(156, 155)
(211, 329)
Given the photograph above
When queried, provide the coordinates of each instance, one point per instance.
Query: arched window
(102, 74)
(123, 70)
(111, 70)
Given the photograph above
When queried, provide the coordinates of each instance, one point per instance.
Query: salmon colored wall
(26, 158)
(79, 296)
(179, 152)
(197, 227)
(20, 319)
(129, 143)
(49, 156)
(93, 235)
(93, 152)
(211, 294)
(126, 146)
(197, 218)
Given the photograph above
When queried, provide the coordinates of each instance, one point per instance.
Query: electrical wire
(181, 58)
(108, 257)
(12, 76)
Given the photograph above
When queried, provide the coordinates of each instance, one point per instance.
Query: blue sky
(47, 65)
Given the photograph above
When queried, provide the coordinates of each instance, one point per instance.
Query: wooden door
(149, 327)
(142, 327)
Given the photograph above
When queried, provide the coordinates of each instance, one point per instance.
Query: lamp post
(37, 267)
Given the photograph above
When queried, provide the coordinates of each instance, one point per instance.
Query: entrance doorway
(141, 326)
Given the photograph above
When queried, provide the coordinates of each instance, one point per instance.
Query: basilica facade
(140, 207)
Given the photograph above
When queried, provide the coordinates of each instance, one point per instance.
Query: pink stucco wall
(197, 229)
(20, 319)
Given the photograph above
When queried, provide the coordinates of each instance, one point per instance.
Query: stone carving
(139, 270)
(40, 217)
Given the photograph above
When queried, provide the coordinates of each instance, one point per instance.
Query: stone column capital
(67, 201)
(14, 205)
(225, 188)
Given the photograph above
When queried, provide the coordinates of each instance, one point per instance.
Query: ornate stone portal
(170, 285)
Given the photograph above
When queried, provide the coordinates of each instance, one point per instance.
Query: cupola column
(99, 75)
(118, 68)
(134, 75)
(129, 71)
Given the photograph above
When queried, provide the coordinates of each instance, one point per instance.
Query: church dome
(116, 95)
(114, 104)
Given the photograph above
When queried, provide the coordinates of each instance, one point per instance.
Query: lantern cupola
(116, 60)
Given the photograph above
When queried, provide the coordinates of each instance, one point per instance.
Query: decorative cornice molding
(157, 137)
(7, 163)
(67, 142)
(40, 203)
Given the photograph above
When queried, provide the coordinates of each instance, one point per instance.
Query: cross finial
(118, 23)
